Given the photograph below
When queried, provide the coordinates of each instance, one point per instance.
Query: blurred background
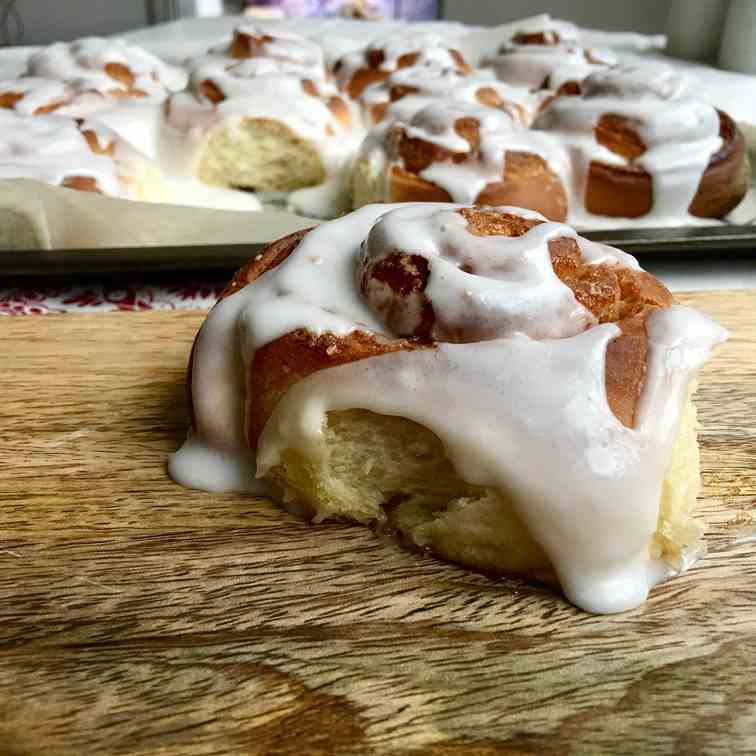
(33, 22)
(712, 31)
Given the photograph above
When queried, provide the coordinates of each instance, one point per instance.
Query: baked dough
(482, 383)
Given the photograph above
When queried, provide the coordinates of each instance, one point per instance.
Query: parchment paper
(34, 215)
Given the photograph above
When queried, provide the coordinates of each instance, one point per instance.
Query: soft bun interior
(393, 472)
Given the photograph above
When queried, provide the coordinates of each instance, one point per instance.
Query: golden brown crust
(287, 360)
(245, 46)
(727, 177)
(619, 295)
(625, 367)
(272, 256)
(81, 184)
(211, 92)
(537, 38)
(627, 191)
(612, 294)
(9, 100)
(94, 144)
(122, 73)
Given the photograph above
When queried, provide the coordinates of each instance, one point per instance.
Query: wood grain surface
(137, 617)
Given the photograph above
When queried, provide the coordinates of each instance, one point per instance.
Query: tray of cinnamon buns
(270, 120)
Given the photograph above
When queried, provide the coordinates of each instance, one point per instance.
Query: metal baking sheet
(682, 242)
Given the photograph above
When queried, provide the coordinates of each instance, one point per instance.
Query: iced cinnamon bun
(259, 124)
(462, 153)
(109, 68)
(249, 41)
(548, 59)
(409, 90)
(33, 96)
(643, 147)
(75, 153)
(357, 70)
(482, 383)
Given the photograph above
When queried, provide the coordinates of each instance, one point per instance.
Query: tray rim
(683, 243)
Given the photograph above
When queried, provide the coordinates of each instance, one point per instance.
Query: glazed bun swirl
(541, 61)
(33, 96)
(465, 153)
(408, 90)
(476, 274)
(642, 146)
(250, 41)
(216, 80)
(550, 31)
(111, 68)
(473, 349)
(356, 71)
(60, 151)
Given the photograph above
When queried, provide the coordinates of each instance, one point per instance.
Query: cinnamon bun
(548, 58)
(643, 147)
(463, 153)
(409, 90)
(489, 387)
(75, 153)
(32, 96)
(357, 70)
(249, 41)
(264, 124)
(110, 69)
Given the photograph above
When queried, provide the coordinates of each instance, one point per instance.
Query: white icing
(432, 83)
(280, 46)
(556, 30)
(210, 468)
(526, 415)
(536, 66)
(262, 88)
(680, 135)
(499, 132)
(431, 49)
(51, 148)
(81, 64)
(193, 193)
(36, 93)
(512, 289)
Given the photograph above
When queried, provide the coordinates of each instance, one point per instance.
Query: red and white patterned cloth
(128, 297)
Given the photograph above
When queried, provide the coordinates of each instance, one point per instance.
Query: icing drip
(507, 411)
(110, 67)
(526, 415)
(680, 134)
(499, 134)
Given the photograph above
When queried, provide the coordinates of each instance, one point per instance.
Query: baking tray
(678, 242)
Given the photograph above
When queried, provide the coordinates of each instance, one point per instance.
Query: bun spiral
(642, 146)
(464, 153)
(420, 367)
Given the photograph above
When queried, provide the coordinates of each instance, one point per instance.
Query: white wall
(51, 20)
(626, 15)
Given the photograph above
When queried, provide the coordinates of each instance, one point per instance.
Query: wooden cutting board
(138, 617)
